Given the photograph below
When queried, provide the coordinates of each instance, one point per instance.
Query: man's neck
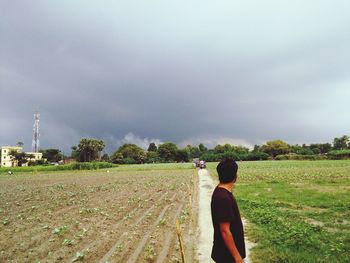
(227, 186)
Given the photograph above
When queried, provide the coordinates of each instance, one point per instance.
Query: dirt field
(120, 216)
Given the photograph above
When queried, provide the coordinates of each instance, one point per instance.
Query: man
(228, 243)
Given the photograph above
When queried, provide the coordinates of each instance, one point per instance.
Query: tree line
(90, 149)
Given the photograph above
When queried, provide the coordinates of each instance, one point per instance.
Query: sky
(187, 71)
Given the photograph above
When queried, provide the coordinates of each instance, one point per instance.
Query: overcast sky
(189, 71)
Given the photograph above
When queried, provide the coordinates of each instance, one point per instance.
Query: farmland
(127, 214)
(298, 210)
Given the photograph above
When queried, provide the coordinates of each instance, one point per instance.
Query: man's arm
(229, 242)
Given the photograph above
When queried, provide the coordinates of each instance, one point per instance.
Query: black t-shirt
(224, 209)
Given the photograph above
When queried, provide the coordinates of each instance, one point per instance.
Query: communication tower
(35, 141)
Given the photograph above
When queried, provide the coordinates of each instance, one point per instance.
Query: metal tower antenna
(35, 141)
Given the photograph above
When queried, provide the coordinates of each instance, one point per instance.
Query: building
(8, 161)
(33, 157)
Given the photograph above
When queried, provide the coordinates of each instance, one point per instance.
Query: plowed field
(120, 216)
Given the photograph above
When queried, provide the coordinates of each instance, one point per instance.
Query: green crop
(297, 210)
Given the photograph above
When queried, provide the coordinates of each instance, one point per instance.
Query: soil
(98, 216)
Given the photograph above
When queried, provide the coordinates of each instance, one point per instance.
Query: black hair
(227, 170)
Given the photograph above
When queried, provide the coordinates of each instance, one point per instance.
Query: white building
(7, 160)
(33, 157)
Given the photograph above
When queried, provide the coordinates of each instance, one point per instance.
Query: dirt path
(206, 187)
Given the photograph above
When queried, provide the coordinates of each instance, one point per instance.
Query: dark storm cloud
(185, 72)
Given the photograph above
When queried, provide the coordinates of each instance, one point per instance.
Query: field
(299, 211)
(125, 215)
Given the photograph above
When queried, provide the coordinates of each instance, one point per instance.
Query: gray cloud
(184, 72)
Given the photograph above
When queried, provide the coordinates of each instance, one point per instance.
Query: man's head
(227, 171)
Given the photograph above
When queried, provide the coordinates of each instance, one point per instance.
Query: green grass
(153, 166)
(299, 211)
(65, 167)
(97, 165)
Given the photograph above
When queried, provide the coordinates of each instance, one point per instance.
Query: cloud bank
(200, 71)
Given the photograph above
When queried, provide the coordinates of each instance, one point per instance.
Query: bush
(72, 166)
(129, 160)
(37, 162)
(339, 154)
(300, 157)
(88, 165)
(217, 157)
(255, 156)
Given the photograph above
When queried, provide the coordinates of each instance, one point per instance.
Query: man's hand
(229, 242)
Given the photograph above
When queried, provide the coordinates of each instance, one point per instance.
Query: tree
(153, 157)
(152, 147)
(105, 157)
(167, 151)
(19, 144)
(295, 148)
(240, 149)
(192, 151)
(52, 155)
(257, 148)
(181, 156)
(341, 143)
(132, 151)
(19, 157)
(75, 153)
(116, 158)
(306, 151)
(223, 148)
(325, 147)
(276, 147)
(88, 149)
(202, 148)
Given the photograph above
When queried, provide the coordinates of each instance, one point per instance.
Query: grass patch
(153, 166)
(65, 167)
(299, 210)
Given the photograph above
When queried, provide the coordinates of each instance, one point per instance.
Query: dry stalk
(182, 249)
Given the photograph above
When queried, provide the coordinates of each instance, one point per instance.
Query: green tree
(182, 156)
(325, 147)
(52, 155)
(202, 148)
(240, 149)
(116, 158)
(306, 151)
(341, 143)
(153, 157)
(19, 157)
(132, 151)
(192, 151)
(88, 149)
(257, 148)
(105, 157)
(167, 151)
(152, 147)
(223, 148)
(276, 147)
(75, 153)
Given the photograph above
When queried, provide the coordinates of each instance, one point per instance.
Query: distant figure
(228, 228)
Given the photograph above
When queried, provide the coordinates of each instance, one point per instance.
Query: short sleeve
(224, 210)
